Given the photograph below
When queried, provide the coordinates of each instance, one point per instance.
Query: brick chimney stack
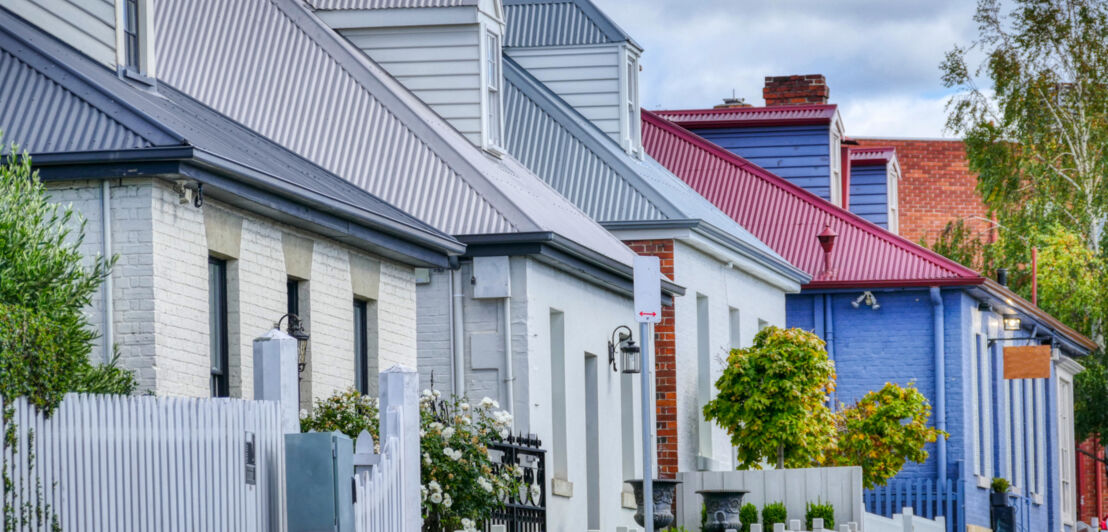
(795, 90)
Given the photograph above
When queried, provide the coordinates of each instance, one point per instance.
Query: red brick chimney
(795, 90)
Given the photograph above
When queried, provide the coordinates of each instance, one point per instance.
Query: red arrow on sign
(648, 314)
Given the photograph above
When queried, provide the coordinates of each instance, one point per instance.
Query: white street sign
(648, 289)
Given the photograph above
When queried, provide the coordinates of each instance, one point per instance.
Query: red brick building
(936, 187)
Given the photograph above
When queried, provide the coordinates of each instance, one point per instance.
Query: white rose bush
(462, 482)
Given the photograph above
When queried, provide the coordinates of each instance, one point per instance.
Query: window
(1040, 438)
(131, 34)
(558, 393)
(634, 130)
(1065, 447)
(703, 379)
(1019, 456)
(365, 346)
(982, 408)
(835, 162)
(734, 328)
(492, 46)
(292, 293)
(217, 326)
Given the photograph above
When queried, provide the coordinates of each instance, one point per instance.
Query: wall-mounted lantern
(1012, 323)
(630, 355)
(296, 330)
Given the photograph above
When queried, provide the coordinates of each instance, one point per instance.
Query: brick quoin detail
(936, 187)
(1092, 480)
(665, 362)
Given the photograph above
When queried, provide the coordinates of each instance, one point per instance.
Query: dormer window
(131, 34)
(634, 130)
(492, 87)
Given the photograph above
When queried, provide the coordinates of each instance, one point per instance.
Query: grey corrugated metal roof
(275, 67)
(386, 4)
(534, 23)
(54, 99)
(584, 164)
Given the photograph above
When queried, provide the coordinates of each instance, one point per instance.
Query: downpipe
(106, 250)
(940, 378)
(458, 297)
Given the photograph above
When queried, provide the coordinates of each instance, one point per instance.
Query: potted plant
(999, 494)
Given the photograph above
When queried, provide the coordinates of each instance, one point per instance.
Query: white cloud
(873, 53)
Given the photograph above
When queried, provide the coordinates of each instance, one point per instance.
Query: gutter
(940, 377)
(565, 255)
(770, 261)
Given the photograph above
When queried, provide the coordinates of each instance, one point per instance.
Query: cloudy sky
(881, 58)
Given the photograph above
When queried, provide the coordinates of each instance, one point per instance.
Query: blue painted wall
(800, 154)
(894, 344)
(869, 194)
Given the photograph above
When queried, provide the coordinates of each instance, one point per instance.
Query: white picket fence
(386, 485)
(144, 463)
(377, 489)
(903, 522)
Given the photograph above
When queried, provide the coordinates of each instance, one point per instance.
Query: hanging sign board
(648, 290)
(1027, 362)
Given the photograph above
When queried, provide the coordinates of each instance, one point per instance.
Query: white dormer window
(134, 43)
(837, 192)
(492, 87)
(633, 140)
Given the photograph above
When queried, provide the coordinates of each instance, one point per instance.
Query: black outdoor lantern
(1012, 323)
(629, 352)
(296, 330)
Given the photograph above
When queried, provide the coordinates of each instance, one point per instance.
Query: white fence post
(275, 376)
(399, 388)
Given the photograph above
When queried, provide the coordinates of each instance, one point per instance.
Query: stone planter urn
(665, 491)
(722, 509)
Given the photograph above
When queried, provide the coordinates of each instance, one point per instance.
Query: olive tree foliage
(773, 397)
(1034, 114)
(45, 285)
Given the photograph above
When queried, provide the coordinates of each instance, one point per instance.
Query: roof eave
(821, 284)
(1022, 305)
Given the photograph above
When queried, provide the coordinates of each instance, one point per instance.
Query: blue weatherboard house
(892, 311)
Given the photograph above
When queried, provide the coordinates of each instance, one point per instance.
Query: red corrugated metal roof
(752, 116)
(788, 218)
(871, 155)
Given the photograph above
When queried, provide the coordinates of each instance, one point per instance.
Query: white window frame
(630, 121)
(1066, 447)
(982, 411)
(143, 69)
(494, 108)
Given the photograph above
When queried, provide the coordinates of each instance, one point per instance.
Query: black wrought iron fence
(524, 511)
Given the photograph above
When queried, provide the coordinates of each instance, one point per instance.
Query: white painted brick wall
(161, 292)
(433, 316)
(180, 296)
(725, 288)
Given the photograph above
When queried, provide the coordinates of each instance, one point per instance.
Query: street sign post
(648, 309)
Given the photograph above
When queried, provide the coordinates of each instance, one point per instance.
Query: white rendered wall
(591, 314)
(161, 291)
(725, 288)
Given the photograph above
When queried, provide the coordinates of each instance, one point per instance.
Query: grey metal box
(319, 469)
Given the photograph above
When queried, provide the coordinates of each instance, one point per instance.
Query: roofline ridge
(6, 31)
(395, 105)
(816, 201)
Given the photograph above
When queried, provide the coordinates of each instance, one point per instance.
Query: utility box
(491, 277)
(319, 468)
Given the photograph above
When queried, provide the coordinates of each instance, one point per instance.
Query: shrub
(748, 514)
(772, 399)
(823, 511)
(462, 484)
(1000, 485)
(774, 513)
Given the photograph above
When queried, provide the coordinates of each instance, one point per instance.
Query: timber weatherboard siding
(87, 25)
(440, 65)
(799, 154)
(869, 193)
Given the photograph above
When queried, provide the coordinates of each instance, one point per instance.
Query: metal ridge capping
(787, 217)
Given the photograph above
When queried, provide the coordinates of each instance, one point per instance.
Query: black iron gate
(524, 511)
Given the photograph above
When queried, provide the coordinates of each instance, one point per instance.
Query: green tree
(45, 285)
(959, 243)
(882, 431)
(773, 399)
(1034, 115)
